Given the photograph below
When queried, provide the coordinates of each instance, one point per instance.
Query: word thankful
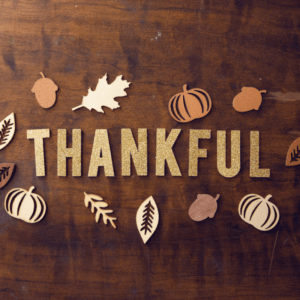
(138, 152)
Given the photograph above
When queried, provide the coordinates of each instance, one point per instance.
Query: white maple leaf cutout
(104, 94)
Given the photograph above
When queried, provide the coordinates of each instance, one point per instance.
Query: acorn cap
(43, 84)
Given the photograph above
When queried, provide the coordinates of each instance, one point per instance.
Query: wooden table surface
(219, 46)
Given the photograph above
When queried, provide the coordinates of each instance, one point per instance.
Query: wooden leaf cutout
(293, 155)
(104, 94)
(97, 204)
(7, 130)
(147, 218)
(6, 170)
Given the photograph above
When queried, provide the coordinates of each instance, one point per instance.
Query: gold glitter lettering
(101, 147)
(139, 155)
(63, 152)
(39, 135)
(235, 153)
(255, 171)
(194, 151)
(164, 152)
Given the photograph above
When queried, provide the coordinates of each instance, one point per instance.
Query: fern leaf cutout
(6, 170)
(293, 155)
(104, 94)
(97, 205)
(147, 218)
(7, 130)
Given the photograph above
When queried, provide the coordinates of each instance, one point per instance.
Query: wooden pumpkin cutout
(147, 218)
(259, 212)
(250, 98)
(189, 105)
(97, 205)
(293, 154)
(7, 130)
(6, 171)
(25, 205)
(45, 91)
(205, 206)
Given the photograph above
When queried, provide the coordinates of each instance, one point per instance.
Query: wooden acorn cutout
(249, 98)
(190, 105)
(147, 218)
(293, 155)
(45, 91)
(25, 205)
(205, 206)
(259, 212)
(6, 171)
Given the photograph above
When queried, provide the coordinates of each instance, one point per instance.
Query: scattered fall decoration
(293, 154)
(6, 170)
(97, 205)
(45, 91)
(7, 130)
(249, 98)
(25, 205)
(104, 94)
(259, 212)
(147, 218)
(189, 105)
(203, 207)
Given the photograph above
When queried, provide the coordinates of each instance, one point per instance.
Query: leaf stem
(79, 106)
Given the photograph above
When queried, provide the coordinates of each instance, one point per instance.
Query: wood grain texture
(219, 46)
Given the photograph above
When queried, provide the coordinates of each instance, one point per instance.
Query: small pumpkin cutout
(259, 212)
(190, 105)
(25, 205)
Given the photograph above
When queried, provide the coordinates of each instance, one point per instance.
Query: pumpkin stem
(185, 88)
(217, 197)
(42, 74)
(31, 189)
(268, 197)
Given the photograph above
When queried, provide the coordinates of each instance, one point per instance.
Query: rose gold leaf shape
(45, 91)
(250, 98)
(6, 170)
(97, 204)
(147, 218)
(293, 154)
(203, 207)
(7, 130)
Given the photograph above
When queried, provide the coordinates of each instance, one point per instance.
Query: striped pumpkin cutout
(259, 212)
(25, 205)
(189, 105)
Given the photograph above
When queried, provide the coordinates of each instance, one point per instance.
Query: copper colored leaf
(6, 170)
(293, 155)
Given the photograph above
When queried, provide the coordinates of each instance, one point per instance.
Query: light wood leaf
(104, 94)
(147, 218)
(97, 205)
(293, 154)
(7, 130)
(6, 170)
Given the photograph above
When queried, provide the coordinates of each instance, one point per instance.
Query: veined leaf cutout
(97, 205)
(293, 155)
(105, 94)
(7, 130)
(6, 170)
(147, 218)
